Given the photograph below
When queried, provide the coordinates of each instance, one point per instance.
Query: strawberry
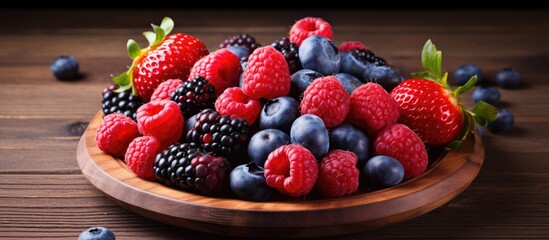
(430, 108)
(166, 58)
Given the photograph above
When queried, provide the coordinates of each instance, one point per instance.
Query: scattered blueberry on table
(508, 78)
(504, 121)
(64, 67)
(97, 233)
(464, 72)
(490, 95)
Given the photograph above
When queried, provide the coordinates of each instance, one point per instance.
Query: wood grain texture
(445, 179)
(508, 199)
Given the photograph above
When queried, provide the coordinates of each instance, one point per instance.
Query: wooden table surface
(43, 194)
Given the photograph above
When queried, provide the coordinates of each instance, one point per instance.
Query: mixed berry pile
(298, 117)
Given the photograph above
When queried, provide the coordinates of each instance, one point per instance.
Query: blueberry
(382, 75)
(352, 65)
(310, 132)
(239, 51)
(319, 54)
(264, 142)
(463, 73)
(508, 78)
(279, 113)
(349, 138)
(64, 67)
(488, 94)
(301, 80)
(248, 182)
(97, 233)
(504, 121)
(383, 171)
(349, 82)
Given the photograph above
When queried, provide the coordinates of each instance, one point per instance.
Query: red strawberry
(267, 74)
(221, 68)
(309, 26)
(401, 143)
(165, 58)
(432, 110)
(350, 46)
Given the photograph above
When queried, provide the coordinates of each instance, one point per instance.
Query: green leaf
(420, 75)
(167, 25)
(123, 88)
(480, 121)
(453, 145)
(122, 79)
(465, 87)
(133, 49)
(485, 111)
(150, 36)
(431, 59)
(444, 80)
(159, 32)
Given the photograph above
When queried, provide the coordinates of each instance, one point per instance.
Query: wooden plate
(444, 180)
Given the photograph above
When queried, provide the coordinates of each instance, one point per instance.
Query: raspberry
(234, 102)
(161, 119)
(372, 108)
(350, 46)
(115, 133)
(292, 170)
(141, 155)
(327, 99)
(165, 89)
(338, 175)
(267, 74)
(400, 142)
(309, 26)
(221, 68)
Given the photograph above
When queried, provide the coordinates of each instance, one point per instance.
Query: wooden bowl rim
(107, 173)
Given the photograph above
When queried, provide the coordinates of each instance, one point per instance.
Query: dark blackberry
(243, 40)
(290, 51)
(369, 57)
(122, 102)
(221, 135)
(193, 96)
(186, 167)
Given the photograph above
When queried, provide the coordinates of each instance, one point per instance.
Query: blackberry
(219, 134)
(290, 51)
(193, 96)
(243, 40)
(186, 167)
(369, 57)
(122, 102)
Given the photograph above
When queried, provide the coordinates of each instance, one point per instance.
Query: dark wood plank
(44, 196)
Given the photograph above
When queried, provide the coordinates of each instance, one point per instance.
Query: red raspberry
(267, 74)
(338, 175)
(292, 170)
(161, 119)
(221, 68)
(400, 142)
(350, 46)
(309, 26)
(165, 89)
(327, 99)
(234, 102)
(372, 108)
(141, 155)
(115, 133)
